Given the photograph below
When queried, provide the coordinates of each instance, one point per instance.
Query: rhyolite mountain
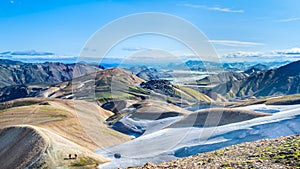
(198, 65)
(119, 84)
(148, 73)
(20, 73)
(161, 86)
(257, 68)
(114, 83)
(284, 80)
(104, 85)
(245, 66)
(222, 77)
(178, 95)
(13, 92)
(55, 80)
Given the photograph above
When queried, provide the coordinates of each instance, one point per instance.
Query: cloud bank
(288, 54)
(235, 43)
(37, 56)
(220, 9)
(289, 19)
(27, 52)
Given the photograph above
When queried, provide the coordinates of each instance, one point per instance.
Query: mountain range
(284, 80)
(198, 65)
(20, 73)
(48, 79)
(51, 111)
(147, 73)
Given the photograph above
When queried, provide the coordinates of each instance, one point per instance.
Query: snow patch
(163, 144)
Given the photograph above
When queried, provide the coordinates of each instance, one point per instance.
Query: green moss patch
(85, 162)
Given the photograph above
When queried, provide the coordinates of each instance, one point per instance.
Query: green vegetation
(50, 108)
(139, 90)
(287, 153)
(85, 162)
(228, 96)
(282, 152)
(130, 92)
(2, 111)
(242, 91)
(188, 93)
(112, 133)
(114, 118)
(18, 103)
(107, 96)
(58, 116)
(169, 100)
(204, 81)
(284, 100)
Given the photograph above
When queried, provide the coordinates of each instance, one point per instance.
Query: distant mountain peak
(284, 80)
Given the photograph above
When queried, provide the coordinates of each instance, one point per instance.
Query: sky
(238, 29)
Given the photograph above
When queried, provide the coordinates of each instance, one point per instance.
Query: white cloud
(242, 54)
(225, 10)
(43, 56)
(235, 43)
(289, 20)
(134, 49)
(292, 51)
(288, 54)
(32, 54)
(212, 8)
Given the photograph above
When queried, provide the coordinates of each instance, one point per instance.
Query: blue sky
(237, 28)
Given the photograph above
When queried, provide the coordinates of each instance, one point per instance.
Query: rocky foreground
(282, 152)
